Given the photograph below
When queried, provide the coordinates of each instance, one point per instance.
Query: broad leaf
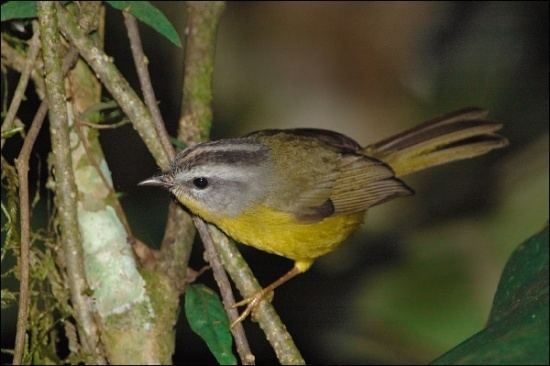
(150, 15)
(207, 318)
(18, 10)
(517, 331)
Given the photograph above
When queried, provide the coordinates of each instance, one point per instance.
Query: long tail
(459, 135)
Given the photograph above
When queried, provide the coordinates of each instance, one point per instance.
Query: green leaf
(18, 10)
(517, 331)
(177, 143)
(150, 15)
(207, 318)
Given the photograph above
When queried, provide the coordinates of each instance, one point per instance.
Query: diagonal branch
(271, 324)
(141, 63)
(16, 60)
(115, 83)
(247, 358)
(19, 93)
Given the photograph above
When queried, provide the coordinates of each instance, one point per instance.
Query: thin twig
(115, 83)
(99, 126)
(247, 358)
(141, 63)
(274, 329)
(15, 60)
(22, 165)
(19, 92)
(96, 108)
(66, 193)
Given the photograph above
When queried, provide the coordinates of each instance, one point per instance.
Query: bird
(300, 193)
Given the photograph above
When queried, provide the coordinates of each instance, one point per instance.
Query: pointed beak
(159, 181)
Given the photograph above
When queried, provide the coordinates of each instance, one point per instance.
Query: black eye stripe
(200, 183)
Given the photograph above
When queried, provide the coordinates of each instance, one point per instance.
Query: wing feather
(364, 183)
(338, 180)
(360, 183)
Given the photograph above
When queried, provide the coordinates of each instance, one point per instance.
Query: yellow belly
(277, 232)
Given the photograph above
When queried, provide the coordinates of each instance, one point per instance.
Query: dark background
(420, 275)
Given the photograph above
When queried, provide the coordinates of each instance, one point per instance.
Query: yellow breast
(279, 233)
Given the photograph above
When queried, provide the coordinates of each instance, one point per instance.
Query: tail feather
(459, 135)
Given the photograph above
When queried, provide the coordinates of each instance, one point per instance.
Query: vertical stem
(22, 165)
(196, 116)
(65, 185)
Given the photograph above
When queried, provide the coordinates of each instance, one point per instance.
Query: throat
(196, 209)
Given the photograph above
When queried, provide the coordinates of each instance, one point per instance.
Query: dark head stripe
(243, 151)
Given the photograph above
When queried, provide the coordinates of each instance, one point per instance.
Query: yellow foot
(251, 304)
(253, 301)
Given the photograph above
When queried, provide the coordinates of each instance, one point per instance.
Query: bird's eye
(200, 183)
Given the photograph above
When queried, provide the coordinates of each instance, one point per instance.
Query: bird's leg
(253, 301)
